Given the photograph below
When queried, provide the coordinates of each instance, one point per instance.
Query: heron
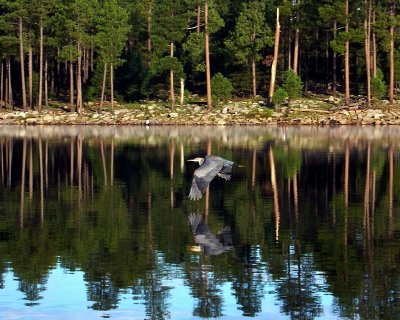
(210, 166)
(210, 243)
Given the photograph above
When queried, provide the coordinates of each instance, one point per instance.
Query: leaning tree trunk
(21, 56)
(171, 79)
(103, 88)
(347, 59)
(275, 60)
(112, 87)
(207, 49)
(391, 55)
(40, 70)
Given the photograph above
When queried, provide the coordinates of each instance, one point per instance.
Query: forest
(80, 51)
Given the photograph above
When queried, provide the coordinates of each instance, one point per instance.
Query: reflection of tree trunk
(79, 166)
(21, 212)
(46, 163)
(275, 191)
(296, 198)
(112, 161)
(346, 175)
(253, 171)
(391, 174)
(171, 170)
(2, 160)
(72, 157)
(366, 220)
(182, 158)
(103, 161)
(10, 159)
(207, 195)
(41, 180)
(30, 170)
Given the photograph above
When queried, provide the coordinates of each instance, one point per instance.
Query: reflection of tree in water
(32, 291)
(298, 288)
(249, 282)
(103, 293)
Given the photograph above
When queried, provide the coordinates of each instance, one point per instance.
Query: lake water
(94, 223)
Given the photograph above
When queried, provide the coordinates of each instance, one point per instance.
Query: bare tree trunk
(30, 77)
(103, 87)
(46, 83)
(391, 55)
(374, 63)
(2, 84)
(347, 59)
(275, 61)
(334, 61)
(171, 79)
(198, 16)
(149, 27)
(21, 56)
(367, 34)
(296, 42)
(40, 70)
(182, 91)
(207, 48)
(289, 43)
(254, 76)
(6, 94)
(91, 59)
(10, 92)
(71, 86)
(79, 103)
(112, 87)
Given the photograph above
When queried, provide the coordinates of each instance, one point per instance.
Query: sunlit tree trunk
(275, 61)
(334, 62)
(21, 57)
(296, 42)
(373, 62)
(9, 86)
(347, 57)
(79, 102)
(367, 42)
(2, 84)
(112, 87)
(46, 83)
(182, 92)
(207, 53)
(71, 87)
(171, 79)
(103, 87)
(40, 70)
(30, 77)
(391, 53)
(254, 76)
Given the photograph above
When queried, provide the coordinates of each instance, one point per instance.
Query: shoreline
(301, 112)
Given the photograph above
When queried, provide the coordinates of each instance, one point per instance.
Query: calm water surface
(94, 223)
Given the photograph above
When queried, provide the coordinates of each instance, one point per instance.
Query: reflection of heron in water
(210, 166)
(211, 244)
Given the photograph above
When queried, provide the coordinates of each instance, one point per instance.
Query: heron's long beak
(194, 160)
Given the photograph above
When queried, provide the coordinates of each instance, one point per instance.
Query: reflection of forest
(305, 220)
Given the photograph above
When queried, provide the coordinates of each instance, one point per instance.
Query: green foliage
(280, 96)
(292, 84)
(221, 87)
(378, 86)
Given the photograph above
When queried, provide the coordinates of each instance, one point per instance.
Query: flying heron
(211, 244)
(210, 166)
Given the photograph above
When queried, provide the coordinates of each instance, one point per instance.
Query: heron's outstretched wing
(203, 176)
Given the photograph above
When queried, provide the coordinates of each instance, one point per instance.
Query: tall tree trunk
(347, 58)
(46, 83)
(171, 79)
(254, 76)
(103, 88)
(71, 86)
(198, 16)
(182, 91)
(6, 94)
(391, 54)
(2, 84)
(367, 34)
(91, 59)
(207, 48)
(289, 43)
(30, 77)
(374, 63)
(40, 70)
(334, 61)
(21, 56)
(10, 91)
(296, 42)
(275, 61)
(79, 102)
(112, 87)
(149, 27)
